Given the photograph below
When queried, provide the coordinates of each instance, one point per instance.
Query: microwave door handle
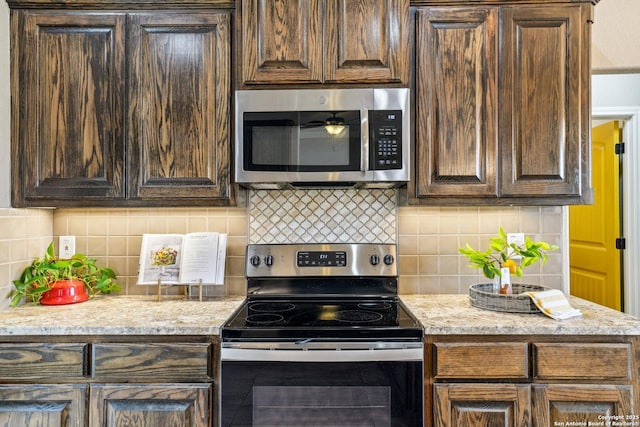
(364, 135)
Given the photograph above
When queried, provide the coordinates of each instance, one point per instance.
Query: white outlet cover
(67, 246)
(518, 239)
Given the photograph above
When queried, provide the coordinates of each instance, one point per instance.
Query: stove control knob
(268, 260)
(374, 260)
(255, 260)
(388, 259)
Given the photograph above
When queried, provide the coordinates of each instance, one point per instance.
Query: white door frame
(631, 201)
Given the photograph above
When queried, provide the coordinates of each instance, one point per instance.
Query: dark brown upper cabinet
(502, 105)
(542, 101)
(68, 95)
(456, 100)
(179, 106)
(92, 131)
(324, 41)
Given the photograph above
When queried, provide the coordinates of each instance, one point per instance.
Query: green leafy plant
(39, 277)
(502, 254)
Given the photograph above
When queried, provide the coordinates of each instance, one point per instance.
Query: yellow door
(593, 229)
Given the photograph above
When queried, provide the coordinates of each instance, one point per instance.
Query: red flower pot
(65, 292)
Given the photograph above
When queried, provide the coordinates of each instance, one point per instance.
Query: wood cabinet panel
(179, 106)
(469, 360)
(591, 361)
(470, 405)
(28, 362)
(43, 405)
(456, 99)
(282, 41)
(186, 405)
(324, 41)
(151, 362)
(502, 105)
(366, 41)
(554, 404)
(68, 94)
(541, 101)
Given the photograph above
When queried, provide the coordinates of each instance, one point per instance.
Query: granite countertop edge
(439, 314)
(449, 314)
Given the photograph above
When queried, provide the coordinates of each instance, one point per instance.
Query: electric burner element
(265, 319)
(357, 316)
(375, 305)
(271, 307)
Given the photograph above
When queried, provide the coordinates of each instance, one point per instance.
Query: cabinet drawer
(481, 361)
(41, 361)
(582, 361)
(152, 362)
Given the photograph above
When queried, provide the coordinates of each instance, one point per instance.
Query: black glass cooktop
(340, 318)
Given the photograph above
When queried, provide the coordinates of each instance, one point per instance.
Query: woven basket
(483, 296)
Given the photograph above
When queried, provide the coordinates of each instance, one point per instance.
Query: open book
(182, 259)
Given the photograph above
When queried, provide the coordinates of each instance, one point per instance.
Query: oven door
(322, 384)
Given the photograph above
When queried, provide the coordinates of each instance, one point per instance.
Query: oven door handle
(327, 352)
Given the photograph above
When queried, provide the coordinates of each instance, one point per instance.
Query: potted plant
(63, 281)
(502, 254)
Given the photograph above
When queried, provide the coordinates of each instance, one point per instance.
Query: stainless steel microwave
(322, 137)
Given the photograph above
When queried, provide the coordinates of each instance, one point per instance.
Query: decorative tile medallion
(322, 216)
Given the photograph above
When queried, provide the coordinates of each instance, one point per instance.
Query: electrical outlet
(518, 239)
(67, 246)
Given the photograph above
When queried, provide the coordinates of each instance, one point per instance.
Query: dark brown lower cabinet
(185, 405)
(556, 404)
(537, 381)
(482, 405)
(109, 381)
(49, 405)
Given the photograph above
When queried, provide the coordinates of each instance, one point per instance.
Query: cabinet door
(470, 405)
(179, 101)
(186, 405)
(541, 102)
(42, 405)
(68, 100)
(282, 41)
(557, 404)
(366, 40)
(456, 90)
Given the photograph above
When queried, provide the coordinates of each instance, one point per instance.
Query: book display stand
(186, 287)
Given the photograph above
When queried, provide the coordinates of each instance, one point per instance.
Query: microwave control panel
(386, 137)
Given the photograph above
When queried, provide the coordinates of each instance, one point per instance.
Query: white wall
(615, 90)
(616, 36)
(5, 108)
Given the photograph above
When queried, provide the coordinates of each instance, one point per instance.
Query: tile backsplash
(427, 237)
(322, 216)
(114, 236)
(26, 233)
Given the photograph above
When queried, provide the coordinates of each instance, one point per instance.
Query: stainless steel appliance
(323, 340)
(322, 137)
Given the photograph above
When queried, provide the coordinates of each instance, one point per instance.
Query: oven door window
(309, 141)
(346, 394)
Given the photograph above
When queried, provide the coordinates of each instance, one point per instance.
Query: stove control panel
(322, 259)
(290, 260)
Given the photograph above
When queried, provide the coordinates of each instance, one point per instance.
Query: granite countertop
(439, 314)
(121, 315)
(445, 314)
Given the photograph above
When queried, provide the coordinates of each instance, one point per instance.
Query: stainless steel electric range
(322, 340)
